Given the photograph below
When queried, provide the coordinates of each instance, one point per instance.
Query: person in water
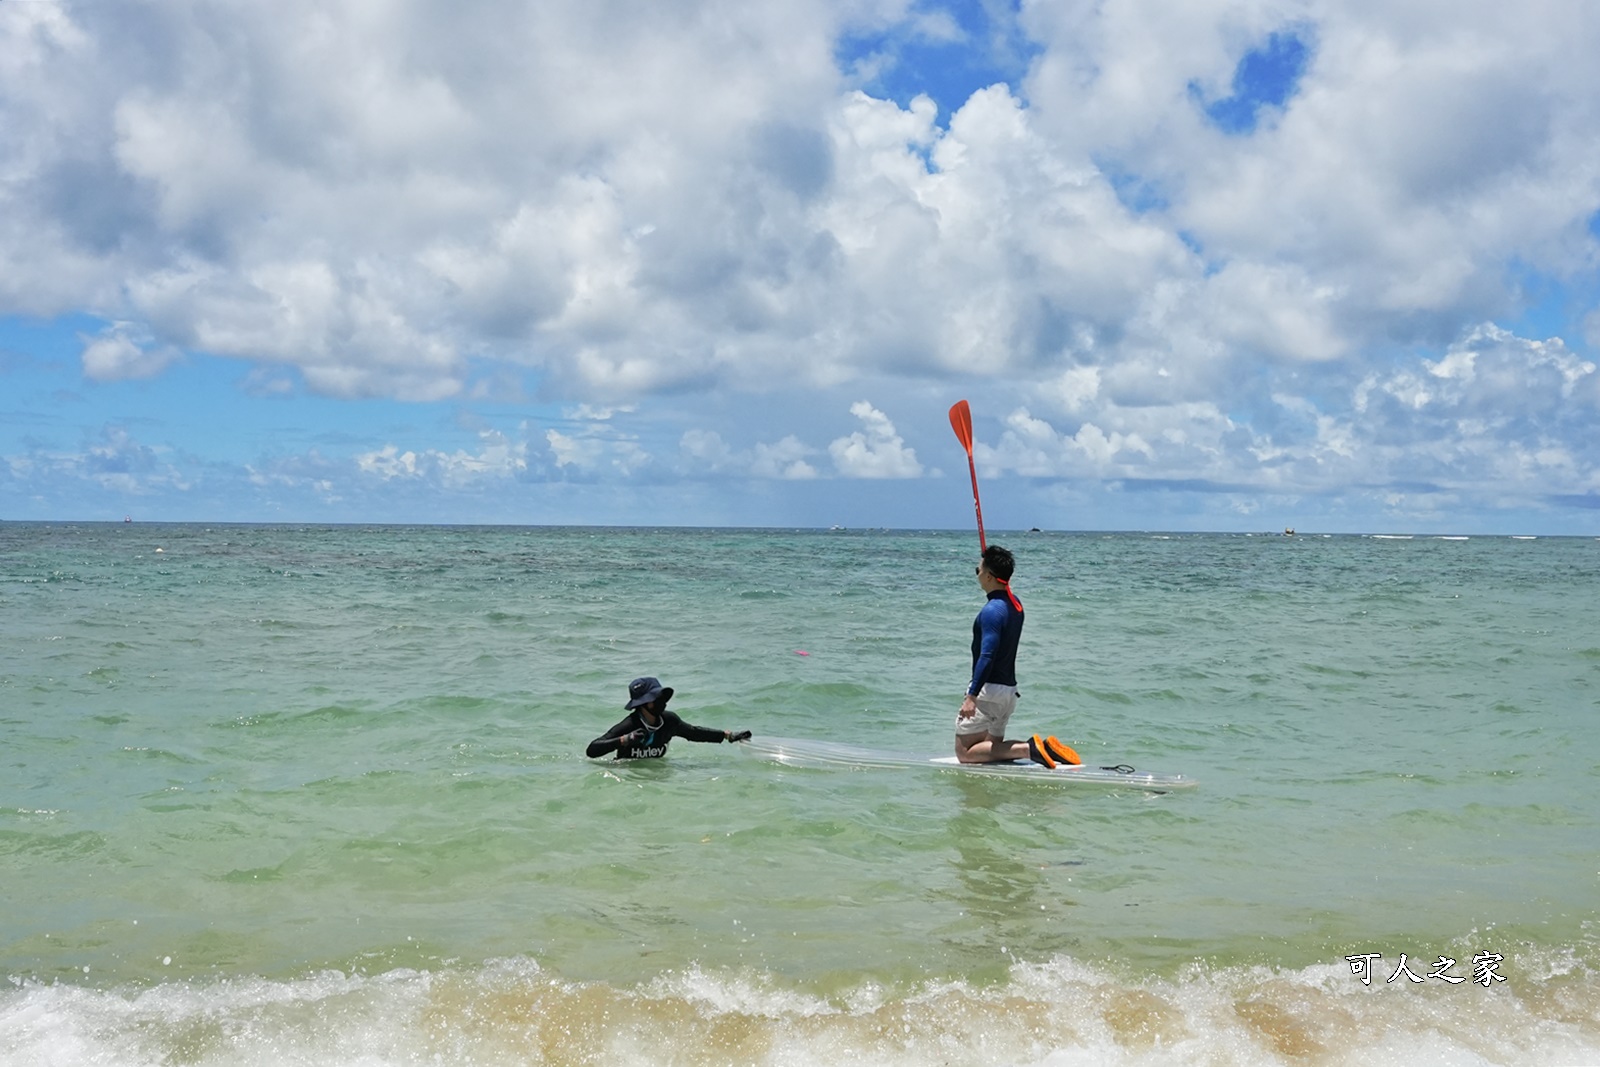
(649, 726)
(991, 696)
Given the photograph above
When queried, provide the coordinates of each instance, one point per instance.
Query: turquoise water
(318, 795)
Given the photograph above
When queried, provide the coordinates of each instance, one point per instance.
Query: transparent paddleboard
(824, 755)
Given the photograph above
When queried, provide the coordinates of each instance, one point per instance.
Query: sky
(1227, 265)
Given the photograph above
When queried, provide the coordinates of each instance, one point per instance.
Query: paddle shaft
(977, 505)
(961, 423)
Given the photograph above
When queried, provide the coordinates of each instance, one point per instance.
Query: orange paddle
(961, 423)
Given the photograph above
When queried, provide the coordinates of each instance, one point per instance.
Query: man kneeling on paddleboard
(992, 694)
(649, 726)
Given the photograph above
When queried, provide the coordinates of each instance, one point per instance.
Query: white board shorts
(995, 705)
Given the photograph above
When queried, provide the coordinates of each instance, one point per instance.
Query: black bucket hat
(646, 690)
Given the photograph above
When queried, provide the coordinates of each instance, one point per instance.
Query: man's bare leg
(981, 748)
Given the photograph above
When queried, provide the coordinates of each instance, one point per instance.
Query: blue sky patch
(1266, 77)
(944, 51)
(1552, 306)
(1136, 193)
(197, 404)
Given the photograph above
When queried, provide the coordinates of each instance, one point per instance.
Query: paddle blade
(961, 423)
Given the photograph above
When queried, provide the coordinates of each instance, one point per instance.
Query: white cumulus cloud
(499, 457)
(876, 451)
(786, 460)
(592, 206)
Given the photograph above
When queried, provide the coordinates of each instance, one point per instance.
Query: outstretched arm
(705, 733)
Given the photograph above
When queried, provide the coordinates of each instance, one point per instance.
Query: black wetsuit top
(995, 634)
(654, 742)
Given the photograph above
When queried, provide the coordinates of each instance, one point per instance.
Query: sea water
(317, 795)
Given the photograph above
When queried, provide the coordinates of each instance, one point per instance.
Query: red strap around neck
(1009, 594)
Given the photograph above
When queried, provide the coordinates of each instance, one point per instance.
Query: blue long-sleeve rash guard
(995, 634)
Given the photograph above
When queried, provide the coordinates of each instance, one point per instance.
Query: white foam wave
(1060, 1013)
